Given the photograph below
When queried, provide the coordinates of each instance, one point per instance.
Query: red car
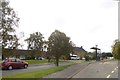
(13, 64)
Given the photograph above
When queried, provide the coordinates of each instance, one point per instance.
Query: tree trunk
(49, 59)
(57, 61)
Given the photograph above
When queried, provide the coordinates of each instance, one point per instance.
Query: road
(100, 69)
(34, 67)
(108, 69)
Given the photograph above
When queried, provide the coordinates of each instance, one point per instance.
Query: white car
(74, 57)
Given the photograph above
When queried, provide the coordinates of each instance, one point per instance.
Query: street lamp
(95, 48)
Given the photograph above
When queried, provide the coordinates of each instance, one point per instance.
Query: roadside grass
(36, 61)
(42, 61)
(36, 74)
(76, 61)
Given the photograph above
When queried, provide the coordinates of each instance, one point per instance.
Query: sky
(86, 22)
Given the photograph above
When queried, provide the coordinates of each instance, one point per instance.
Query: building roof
(18, 51)
(80, 49)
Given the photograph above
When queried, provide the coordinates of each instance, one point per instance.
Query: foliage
(116, 49)
(94, 56)
(105, 55)
(8, 24)
(35, 43)
(59, 45)
(109, 54)
(83, 54)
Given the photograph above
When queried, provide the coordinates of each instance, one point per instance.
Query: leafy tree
(94, 56)
(83, 55)
(104, 55)
(46, 50)
(59, 44)
(35, 43)
(116, 49)
(8, 23)
(109, 54)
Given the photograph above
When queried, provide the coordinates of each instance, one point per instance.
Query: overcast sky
(86, 22)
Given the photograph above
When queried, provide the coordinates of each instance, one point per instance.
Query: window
(18, 60)
(13, 60)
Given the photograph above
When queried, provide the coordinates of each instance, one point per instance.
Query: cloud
(108, 4)
(85, 21)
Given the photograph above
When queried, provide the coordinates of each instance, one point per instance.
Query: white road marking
(108, 76)
(112, 71)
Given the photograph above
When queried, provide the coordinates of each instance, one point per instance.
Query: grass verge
(36, 74)
(76, 61)
(42, 61)
(36, 61)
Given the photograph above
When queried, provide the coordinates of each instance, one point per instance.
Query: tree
(46, 50)
(116, 49)
(104, 55)
(59, 44)
(8, 23)
(35, 43)
(94, 55)
(83, 55)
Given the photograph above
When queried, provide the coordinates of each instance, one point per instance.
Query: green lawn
(76, 61)
(36, 74)
(41, 61)
(36, 61)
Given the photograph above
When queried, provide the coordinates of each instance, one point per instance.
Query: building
(22, 54)
(32, 54)
(79, 50)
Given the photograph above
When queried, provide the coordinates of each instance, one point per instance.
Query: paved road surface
(70, 71)
(107, 69)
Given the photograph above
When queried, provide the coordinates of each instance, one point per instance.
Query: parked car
(39, 58)
(74, 57)
(13, 64)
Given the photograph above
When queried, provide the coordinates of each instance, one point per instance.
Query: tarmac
(70, 71)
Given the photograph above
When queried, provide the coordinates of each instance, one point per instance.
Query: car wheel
(10, 67)
(25, 66)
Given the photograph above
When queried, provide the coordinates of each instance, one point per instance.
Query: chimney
(81, 47)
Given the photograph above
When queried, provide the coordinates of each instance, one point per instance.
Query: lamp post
(95, 48)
